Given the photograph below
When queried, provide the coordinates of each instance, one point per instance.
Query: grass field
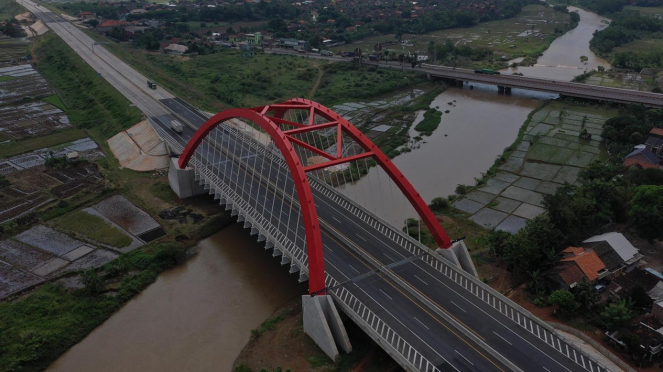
(9, 9)
(55, 101)
(499, 36)
(640, 45)
(93, 227)
(644, 10)
(92, 103)
(35, 143)
(227, 79)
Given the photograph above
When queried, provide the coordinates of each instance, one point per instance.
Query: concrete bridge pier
(323, 324)
(503, 90)
(183, 181)
(459, 256)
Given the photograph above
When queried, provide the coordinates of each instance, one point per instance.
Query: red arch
(441, 237)
(282, 140)
(316, 266)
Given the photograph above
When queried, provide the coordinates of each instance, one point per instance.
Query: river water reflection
(196, 317)
(561, 61)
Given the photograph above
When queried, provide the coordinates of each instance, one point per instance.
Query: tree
(647, 211)
(616, 315)
(439, 204)
(565, 301)
(585, 294)
(93, 283)
(230, 30)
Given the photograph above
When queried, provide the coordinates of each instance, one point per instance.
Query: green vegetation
(489, 40)
(91, 101)
(630, 128)
(431, 121)
(647, 211)
(92, 227)
(348, 81)
(631, 40)
(7, 78)
(39, 326)
(565, 300)
(9, 9)
(55, 101)
(163, 191)
(13, 147)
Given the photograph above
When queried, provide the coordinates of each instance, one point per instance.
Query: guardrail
(395, 345)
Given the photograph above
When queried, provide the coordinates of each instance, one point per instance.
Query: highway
(342, 240)
(455, 322)
(514, 81)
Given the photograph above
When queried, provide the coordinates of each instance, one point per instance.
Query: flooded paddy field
(80, 240)
(551, 153)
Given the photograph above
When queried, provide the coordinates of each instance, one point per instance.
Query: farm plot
(24, 88)
(12, 51)
(31, 119)
(17, 207)
(126, 215)
(552, 153)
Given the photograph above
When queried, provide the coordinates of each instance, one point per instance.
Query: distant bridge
(546, 85)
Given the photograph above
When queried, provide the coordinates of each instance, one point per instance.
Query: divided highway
(454, 321)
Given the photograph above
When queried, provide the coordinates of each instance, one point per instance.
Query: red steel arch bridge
(281, 169)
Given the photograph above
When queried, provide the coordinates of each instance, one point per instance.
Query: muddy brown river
(198, 317)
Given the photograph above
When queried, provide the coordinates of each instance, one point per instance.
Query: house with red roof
(578, 263)
(649, 154)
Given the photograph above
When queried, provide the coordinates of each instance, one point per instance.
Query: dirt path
(317, 82)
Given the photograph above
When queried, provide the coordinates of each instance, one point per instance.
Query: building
(108, 26)
(84, 16)
(649, 154)
(648, 330)
(622, 285)
(175, 49)
(614, 250)
(577, 263)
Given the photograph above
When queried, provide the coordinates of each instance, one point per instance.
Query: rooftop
(586, 259)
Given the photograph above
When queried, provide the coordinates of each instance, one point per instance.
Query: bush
(439, 204)
(462, 189)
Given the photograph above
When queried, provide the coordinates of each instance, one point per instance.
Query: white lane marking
(385, 293)
(483, 311)
(416, 276)
(336, 219)
(545, 369)
(505, 340)
(420, 322)
(389, 257)
(455, 304)
(327, 247)
(361, 237)
(352, 267)
(463, 356)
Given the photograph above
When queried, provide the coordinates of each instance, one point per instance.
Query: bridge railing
(475, 287)
(376, 328)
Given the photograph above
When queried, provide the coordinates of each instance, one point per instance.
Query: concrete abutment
(323, 324)
(183, 181)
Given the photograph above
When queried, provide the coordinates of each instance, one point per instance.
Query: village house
(614, 250)
(649, 154)
(577, 263)
(84, 16)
